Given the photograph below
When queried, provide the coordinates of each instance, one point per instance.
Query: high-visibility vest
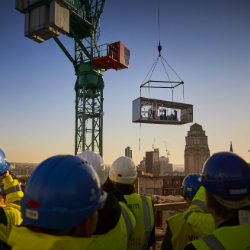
(118, 237)
(12, 209)
(198, 216)
(225, 238)
(182, 233)
(143, 210)
(196, 222)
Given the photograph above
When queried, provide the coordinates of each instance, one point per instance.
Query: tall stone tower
(196, 149)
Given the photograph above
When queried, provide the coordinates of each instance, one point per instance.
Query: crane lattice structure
(84, 27)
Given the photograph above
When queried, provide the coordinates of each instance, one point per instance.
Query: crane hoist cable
(151, 71)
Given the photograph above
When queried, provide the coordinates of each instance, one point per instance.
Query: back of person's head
(96, 161)
(226, 178)
(4, 164)
(191, 185)
(123, 170)
(61, 193)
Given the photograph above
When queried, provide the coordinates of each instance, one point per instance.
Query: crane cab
(112, 56)
(147, 110)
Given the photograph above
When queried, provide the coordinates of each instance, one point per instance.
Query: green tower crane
(79, 20)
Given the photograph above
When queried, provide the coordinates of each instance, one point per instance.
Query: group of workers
(73, 202)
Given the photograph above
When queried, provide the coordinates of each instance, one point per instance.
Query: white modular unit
(59, 17)
(147, 110)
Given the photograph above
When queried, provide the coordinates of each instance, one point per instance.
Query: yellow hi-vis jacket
(225, 238)
(22, 238)
(12, 209)
(192, 224)
(198, 216)
(143, 210)
(118, 237)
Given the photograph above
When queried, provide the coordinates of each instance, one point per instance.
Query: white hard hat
(123, 170)
(96, 162)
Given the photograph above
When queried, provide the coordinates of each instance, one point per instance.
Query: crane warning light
(116, 56)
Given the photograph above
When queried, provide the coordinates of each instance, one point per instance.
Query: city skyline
(206, 42)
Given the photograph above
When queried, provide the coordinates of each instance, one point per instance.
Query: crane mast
(88, 106)
(89, 85)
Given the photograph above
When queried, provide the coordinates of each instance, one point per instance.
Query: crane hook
(159, 48)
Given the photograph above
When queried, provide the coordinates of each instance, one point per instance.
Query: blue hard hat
(191, 185)
(4, 165)
(227, 175)
(61, 192)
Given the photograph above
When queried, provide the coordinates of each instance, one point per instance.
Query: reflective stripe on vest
(200, 204)
(147, 223)
(189, 213)
(13, 189)
(213, 242)
(17, 202)
(128, 222)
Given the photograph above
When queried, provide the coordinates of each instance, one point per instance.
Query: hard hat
(191, 185)
(123, 170)
(96, 162)
(227, 175)
(61, 192)
(4, 165)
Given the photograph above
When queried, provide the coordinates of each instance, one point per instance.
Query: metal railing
(105, 50)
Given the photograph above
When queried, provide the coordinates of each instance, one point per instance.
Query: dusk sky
(207, 42)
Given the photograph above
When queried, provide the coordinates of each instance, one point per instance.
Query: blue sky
(207, 42)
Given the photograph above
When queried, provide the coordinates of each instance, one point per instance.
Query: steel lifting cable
(156, 61)
(151, 70)
(159, 20)
(171, 68)
(176, 75)
(153, 67)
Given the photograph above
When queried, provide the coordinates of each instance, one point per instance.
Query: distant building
(166, 168)
(128, 152)
(162, 186)
(172, 185)
(150, 185)
(196, 149)
(152, 162)
(142, 165)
